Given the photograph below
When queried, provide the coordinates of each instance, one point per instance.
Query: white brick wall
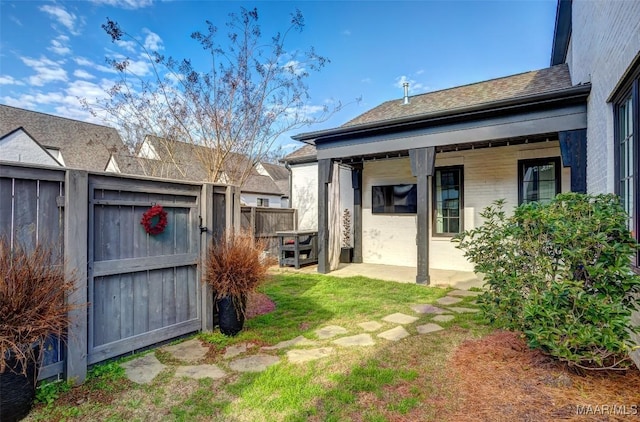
(605, 39)
(489, 174)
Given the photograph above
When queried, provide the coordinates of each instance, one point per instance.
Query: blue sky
(52, 52)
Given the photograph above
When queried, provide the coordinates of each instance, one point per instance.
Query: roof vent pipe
(405, 85)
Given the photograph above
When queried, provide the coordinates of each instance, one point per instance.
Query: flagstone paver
(255, 363)
(143, 369)
(464, 293)
(306, 355)
(462, 310)
(395, 334)
(236, 350)
(188, 351)
(357, 340)
(428, 309)
(400, 318)
(448, 300)
(443, 318)
(200, 371)
(428, 328)
(298, 341)
(370, 325)
(330, 331)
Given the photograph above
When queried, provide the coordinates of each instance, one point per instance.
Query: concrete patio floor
(439, 278)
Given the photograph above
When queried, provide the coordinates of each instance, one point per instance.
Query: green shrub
(561, 274)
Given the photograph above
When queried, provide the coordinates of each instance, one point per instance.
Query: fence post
(76, 220)
(252, 221)
(207, 209)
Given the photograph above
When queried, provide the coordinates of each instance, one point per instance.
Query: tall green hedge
(561, 274)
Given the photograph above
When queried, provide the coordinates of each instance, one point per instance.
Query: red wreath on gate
(160, 223)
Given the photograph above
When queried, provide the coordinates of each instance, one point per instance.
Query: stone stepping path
(395, 334)
(200, 371)
(298, 341)
(255, 363)
(144, 369)
(306, 355)
(370, 326)
(448, 300)
(354, 341)
(330, 331)
(188, 351)
(428, 328)
(399, 318)
(443, 318)
(428, 309)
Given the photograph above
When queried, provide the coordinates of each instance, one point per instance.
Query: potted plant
(235, 267)
(346, 252)
(32, 308)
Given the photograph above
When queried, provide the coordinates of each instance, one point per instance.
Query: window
(263, 202)
(538, 180)
(627, 153)
(448, 201)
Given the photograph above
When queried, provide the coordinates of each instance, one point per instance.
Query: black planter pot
(17, 391)
(346, 255)
(230, 319)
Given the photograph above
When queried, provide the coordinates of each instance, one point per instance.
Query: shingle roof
(85, 146)
(182, 161)
(509, 87)
(276, 172)
(306, 153)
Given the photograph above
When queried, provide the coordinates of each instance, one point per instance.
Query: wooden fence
(141, 289)
(264, 222)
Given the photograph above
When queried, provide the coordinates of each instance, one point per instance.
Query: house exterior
(184, 161)
(423, 167)
(39, 138)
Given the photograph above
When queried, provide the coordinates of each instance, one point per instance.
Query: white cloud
(346, 32)
(152, 41)
(125, 4)
(294, 66)
(68, 20)
(58, 45)
(414, 87)
(9, 80)
(83, 74)
(420, 72)
(46, 70)
(81, 61)
(366, 80)
(130, 46)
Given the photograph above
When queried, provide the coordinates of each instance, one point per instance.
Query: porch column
(422, 167)
(324, 178)
(573, 148)
(356, 183)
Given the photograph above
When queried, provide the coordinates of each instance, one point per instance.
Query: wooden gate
(143, 289)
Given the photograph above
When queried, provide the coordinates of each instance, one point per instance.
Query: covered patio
(439, 278)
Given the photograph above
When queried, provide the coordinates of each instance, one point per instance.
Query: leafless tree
(252, 92)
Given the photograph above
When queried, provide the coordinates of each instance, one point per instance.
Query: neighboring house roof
(305, 154)
(520, 85)
(182, 161)
(82, 145)
(275, 171)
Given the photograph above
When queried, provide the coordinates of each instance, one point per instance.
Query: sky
(52, 53)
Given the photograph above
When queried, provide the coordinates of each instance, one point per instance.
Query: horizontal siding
(489, 174)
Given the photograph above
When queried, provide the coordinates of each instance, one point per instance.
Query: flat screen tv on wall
(394, 199)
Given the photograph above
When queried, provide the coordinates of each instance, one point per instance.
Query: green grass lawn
(407, 379)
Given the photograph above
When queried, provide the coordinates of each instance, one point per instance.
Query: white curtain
(334, 218)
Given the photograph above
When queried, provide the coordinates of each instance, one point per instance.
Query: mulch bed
(501, 379)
